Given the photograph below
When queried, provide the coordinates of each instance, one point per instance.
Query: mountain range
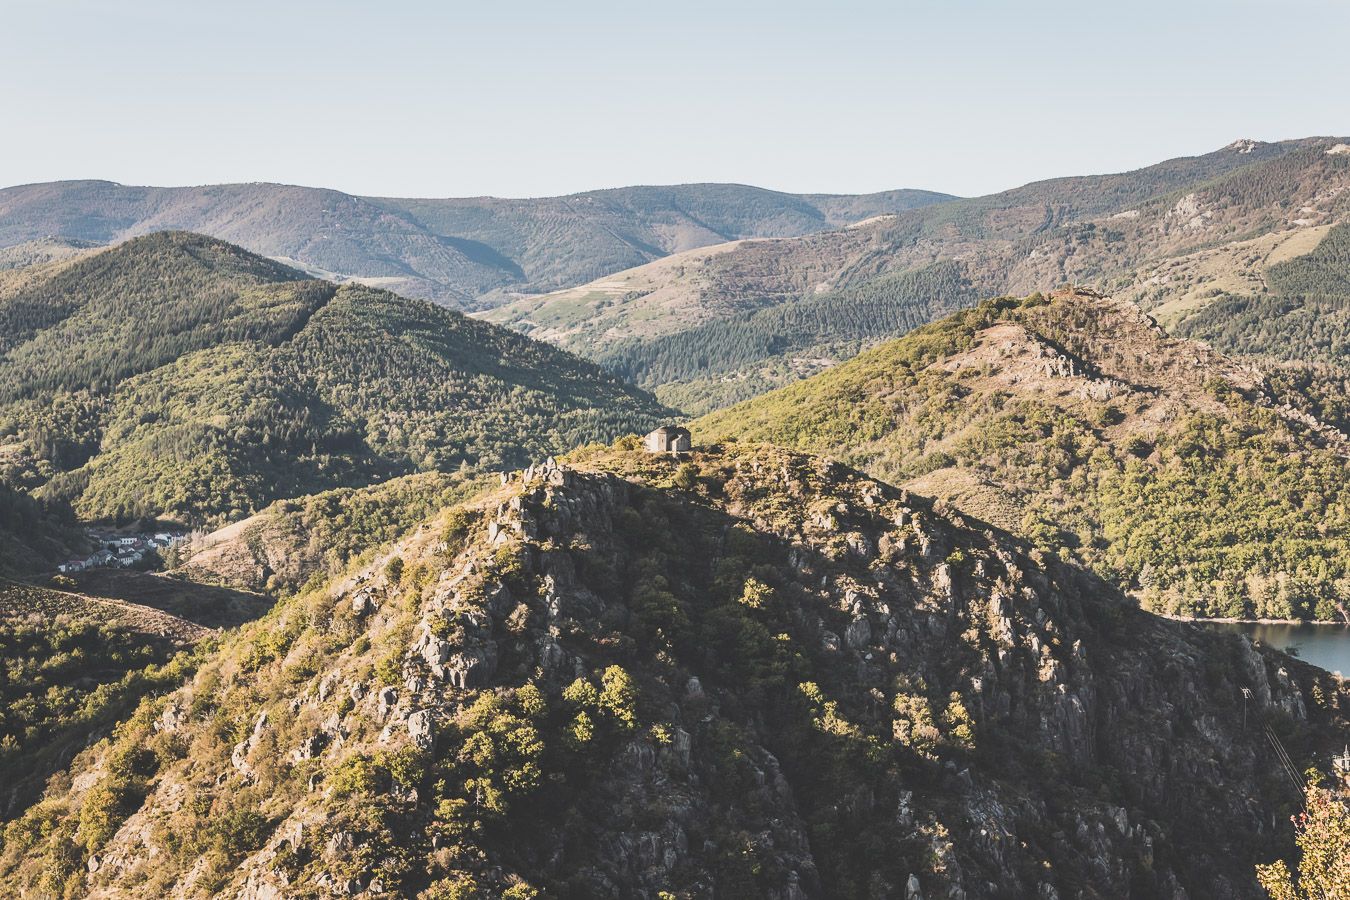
(458, 252)
(719, 324)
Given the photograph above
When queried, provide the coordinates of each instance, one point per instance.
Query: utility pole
(1246, 695)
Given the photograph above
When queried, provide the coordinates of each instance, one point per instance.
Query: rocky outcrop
(786, 681)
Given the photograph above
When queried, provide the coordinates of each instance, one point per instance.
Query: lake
(1327, 646)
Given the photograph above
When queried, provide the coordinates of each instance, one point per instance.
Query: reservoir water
(1327, 646)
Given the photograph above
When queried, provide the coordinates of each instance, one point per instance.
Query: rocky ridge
(1077, 421)
(744, 672)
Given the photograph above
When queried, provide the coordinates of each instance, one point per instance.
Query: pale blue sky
(524, 98)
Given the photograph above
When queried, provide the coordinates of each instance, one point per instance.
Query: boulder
(421, 729)
(387, 698)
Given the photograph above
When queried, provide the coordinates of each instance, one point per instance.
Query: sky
(437, 98)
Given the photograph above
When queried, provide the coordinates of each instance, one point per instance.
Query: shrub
(238, 831)
(618, 697)
(960, 728)
(104, 809)
(686, 476)
(356, 775)
(460, 886)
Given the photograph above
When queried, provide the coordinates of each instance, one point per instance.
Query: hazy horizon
(654, 184)
(423, 100)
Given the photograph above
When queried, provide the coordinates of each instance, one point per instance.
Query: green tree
(1323, 837)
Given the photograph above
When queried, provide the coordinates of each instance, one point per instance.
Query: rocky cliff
(743, 673)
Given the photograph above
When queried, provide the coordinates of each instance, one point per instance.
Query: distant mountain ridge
(733, 320)
(452, 251)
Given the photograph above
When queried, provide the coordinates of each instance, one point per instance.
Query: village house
(129, 557)
(668, 439)
(122, 550)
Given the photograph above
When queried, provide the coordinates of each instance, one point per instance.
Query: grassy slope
(1170, 470)
(1300, 310)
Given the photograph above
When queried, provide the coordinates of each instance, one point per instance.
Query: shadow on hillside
(210, 606)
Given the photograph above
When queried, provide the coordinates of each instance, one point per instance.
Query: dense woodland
(886, 307)
(44, 663)
(33, 534)
(63, 678)
(261, 386)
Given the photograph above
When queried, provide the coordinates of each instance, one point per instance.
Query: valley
(711, 451)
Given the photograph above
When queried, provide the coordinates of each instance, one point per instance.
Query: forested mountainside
(179, 376)
(724, 361)
(745, 673)
(453, 251)
(33, 535)
(1168, 236)
(79, 655)
(68, 675)
(1203, 486)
